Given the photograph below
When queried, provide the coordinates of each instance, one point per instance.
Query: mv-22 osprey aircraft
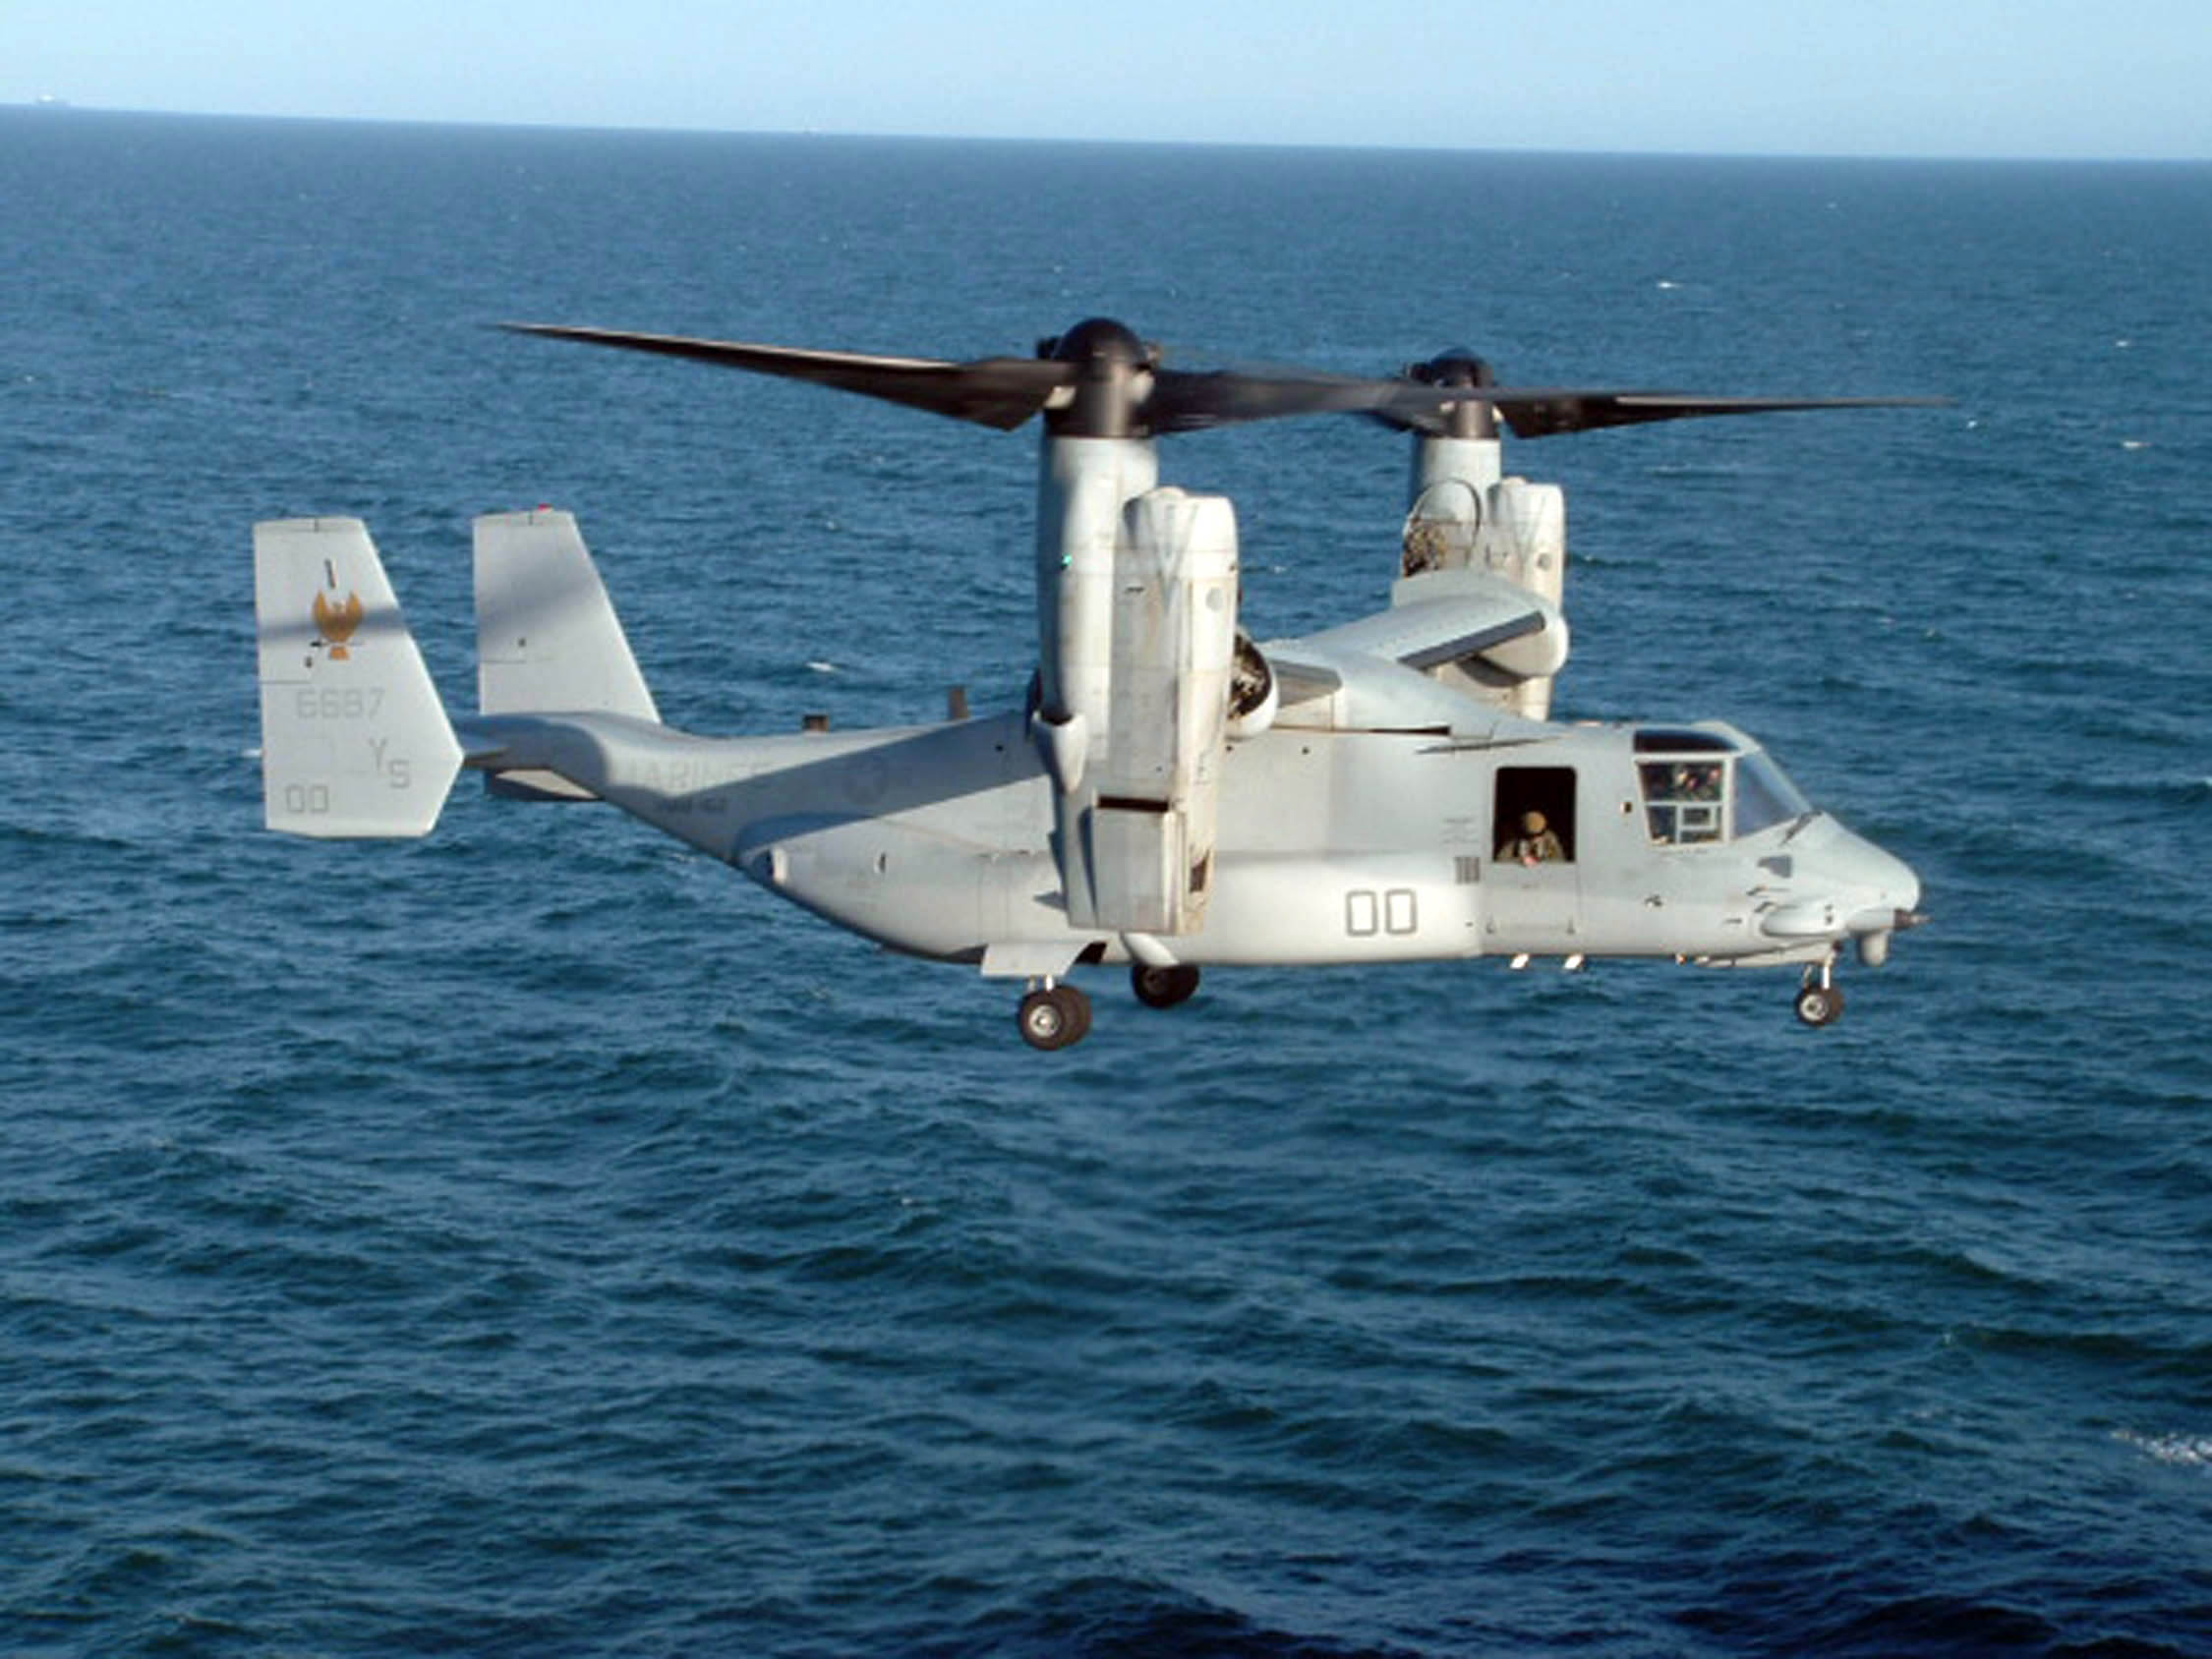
(1174, 795)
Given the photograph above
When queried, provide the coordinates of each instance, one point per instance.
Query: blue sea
(538, 1240)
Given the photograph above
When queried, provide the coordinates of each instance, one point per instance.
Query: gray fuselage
(1334, 846)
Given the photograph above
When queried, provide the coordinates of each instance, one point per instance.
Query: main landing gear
(1163, 987)
(1820, 1001)
(1057, 1014)
(1054, 1015)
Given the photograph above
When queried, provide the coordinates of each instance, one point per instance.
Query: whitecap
(2185, 1451)
(821, 667)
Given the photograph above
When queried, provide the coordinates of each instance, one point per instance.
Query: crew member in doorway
(1537, 843)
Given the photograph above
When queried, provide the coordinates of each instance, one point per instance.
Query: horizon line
(54, 106)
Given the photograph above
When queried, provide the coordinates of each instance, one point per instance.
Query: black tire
(1077, 1003)
(1044, 1022)
(1055, 1018)
(1163, 987)
(1820, 1004)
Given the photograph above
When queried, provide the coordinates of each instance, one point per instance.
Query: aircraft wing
(1442, 616)
(1384, 672)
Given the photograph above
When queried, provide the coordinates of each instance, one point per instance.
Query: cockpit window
(1688, 798)
(1685, 801)
(1764, 795)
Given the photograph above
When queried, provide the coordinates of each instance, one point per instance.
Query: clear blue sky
(1972, 78)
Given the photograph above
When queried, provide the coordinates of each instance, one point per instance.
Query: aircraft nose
(1894, 879)
(1888, 901)
(1850, 890)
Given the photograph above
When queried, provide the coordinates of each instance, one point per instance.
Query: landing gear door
(1532, 885)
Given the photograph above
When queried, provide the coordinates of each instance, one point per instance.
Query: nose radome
(1887, 899)
(1899, 883)
(1908, 883)
(1876, 876)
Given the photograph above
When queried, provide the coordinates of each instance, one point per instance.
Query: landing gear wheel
(1054, 1017)
(1163, 987)
(1078, 1004)
(1043, 1018)
(1820, 1004)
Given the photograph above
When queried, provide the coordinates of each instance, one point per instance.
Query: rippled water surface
(535, 1239)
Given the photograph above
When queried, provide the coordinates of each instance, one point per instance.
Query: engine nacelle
(1081, 495)
(1137, 837)
(1466, 519)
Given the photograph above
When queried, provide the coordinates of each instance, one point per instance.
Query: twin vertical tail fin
(547, 636)
(354, 740)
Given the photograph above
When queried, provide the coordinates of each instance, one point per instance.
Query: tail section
(354, 740)
(547, 638)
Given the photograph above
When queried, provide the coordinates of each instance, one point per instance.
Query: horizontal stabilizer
(354, 740)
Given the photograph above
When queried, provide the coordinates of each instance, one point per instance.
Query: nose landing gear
(1820, 1001)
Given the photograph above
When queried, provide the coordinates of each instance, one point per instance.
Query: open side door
(1532, 892)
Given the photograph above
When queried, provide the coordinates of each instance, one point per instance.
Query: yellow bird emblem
(335, 623)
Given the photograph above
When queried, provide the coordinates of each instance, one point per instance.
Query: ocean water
(538, 1240)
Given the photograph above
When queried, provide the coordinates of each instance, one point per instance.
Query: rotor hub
(1459, 366)
(1097, 339)
(1113, 376)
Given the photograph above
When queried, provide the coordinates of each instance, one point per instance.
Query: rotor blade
(1183, 401)
(1540, 414)
(993, 391)
(1546, 412)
